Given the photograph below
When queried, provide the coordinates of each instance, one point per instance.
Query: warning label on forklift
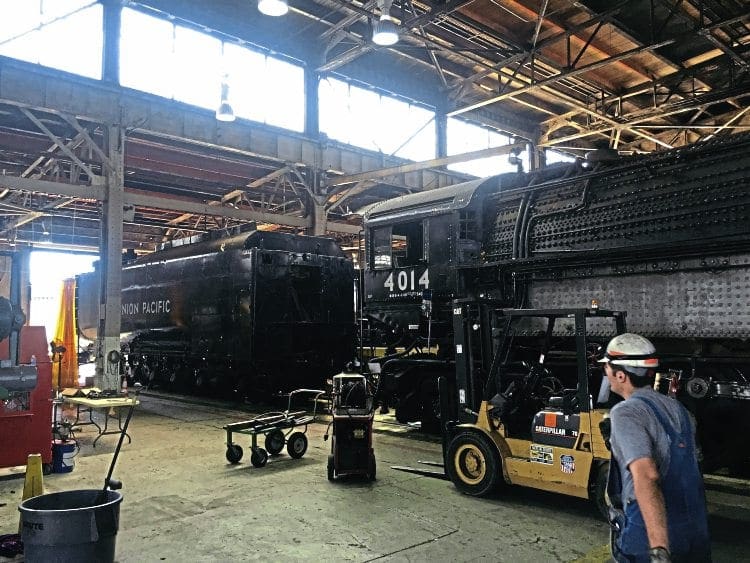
(541, 454)
(567, 463)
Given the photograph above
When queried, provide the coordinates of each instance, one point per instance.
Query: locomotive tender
(255, 312)
(664, 237)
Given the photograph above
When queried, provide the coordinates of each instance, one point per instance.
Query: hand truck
(278, 429)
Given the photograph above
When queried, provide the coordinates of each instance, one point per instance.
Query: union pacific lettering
(147, 307)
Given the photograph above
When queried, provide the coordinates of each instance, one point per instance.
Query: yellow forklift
(529, 400)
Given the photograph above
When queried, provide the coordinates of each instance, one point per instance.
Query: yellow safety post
(33, 485)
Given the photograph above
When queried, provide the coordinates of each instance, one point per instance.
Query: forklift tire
(473, 464)
(296, 446)
(275, 442)
(371, 468)
(331, 468)
(598, 490)
(234, 453)
(259, 457)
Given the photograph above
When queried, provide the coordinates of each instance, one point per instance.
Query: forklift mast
(484, 337)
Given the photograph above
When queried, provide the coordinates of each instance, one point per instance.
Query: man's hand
(659, 555)
(650, 501)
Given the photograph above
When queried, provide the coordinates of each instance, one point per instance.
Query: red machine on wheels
(351, 442)
(25, 394)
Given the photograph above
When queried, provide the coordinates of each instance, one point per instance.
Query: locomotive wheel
(598, 490)
(275, 442)
(296, 446)
(331, 467)
(371, 467)
(473, 464)
(259, 457)
(234, 453)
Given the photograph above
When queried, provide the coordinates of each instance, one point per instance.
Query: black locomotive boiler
(251, 314)
(664, 237)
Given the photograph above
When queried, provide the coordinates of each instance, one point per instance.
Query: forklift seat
(567, 403)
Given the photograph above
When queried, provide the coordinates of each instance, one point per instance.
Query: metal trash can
(71, 526)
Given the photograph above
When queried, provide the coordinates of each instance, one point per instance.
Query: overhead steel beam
(593, 66)
(346, 21)
(139, 199)
(337, 199)
(638, 118)
(434, 12)
(671, 81)
(73, 122)
(255, 184)
(356, 13)
(547, 41)
(75, 142)
(728, 123)
(63, 147)
(564, 74)
(404, 168)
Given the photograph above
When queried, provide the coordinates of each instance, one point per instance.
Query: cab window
(381, 248)
(398, 246)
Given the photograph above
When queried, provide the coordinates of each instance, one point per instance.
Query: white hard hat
(631, 350)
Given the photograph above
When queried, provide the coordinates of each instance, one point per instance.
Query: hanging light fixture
(224, 112)
(273, 7)
(385, 31)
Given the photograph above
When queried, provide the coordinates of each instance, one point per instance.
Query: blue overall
(682, 487)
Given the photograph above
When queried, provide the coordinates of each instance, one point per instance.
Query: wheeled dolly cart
(351, 437)
(279, 428)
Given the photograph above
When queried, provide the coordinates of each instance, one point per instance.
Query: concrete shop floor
(184, 502)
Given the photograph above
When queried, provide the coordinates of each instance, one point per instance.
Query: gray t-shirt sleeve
(630, 438)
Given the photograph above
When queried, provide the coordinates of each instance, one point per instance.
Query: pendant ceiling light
(224, 112)
(273, 7)
(385, 30)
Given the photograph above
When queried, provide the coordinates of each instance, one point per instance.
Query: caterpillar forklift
(529, 400)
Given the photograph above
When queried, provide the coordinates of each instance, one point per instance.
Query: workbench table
(112, 407)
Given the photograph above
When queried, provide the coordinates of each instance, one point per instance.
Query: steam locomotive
(664, 237)
(244, 315)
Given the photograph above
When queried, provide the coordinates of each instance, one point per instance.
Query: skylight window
(464, 137)
(63, 34)
(177, 62)
(367, 119)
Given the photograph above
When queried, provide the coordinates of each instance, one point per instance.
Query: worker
(655, 485)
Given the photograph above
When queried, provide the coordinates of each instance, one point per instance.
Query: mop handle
(122, 437)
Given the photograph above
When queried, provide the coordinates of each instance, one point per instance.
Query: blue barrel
(63, 456)
(71, 526)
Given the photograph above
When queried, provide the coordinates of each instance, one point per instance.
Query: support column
(19, 280)
(110, 253)
(441, 131)
(320, 217)
(312, 103)
(534, 156)
(111, 54)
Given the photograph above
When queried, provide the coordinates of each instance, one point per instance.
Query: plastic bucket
(63, 456)
(71, 526)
